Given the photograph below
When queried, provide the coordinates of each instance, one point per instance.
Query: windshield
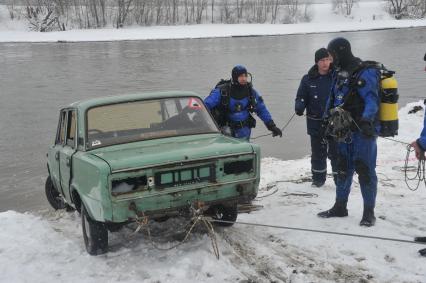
(149, 119)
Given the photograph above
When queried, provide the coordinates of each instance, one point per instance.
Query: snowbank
(48, 247)
(366, 16)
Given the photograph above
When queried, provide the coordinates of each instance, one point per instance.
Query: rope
(420, 171)
(320, 231)
(394, 140)
(143, 222)
(282, 129)
(300, 194)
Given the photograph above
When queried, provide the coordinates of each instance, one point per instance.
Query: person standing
(419, 146)
(234, 102)
(312, 95)
(355, 92)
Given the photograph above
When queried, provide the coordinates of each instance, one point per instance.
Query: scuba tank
(388, 111)
(388, 94)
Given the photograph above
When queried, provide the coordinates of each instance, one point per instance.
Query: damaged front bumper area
(168, 190)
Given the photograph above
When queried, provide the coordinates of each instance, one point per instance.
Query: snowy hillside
(365, 16)
(48, 246)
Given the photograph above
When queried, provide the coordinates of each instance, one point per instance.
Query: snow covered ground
(48, 246)
(365, 16)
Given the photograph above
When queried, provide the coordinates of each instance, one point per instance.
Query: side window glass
(71, 129)
(60, 137)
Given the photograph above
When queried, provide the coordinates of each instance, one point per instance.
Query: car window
(149, 119)
(60, 137)
(71, 129)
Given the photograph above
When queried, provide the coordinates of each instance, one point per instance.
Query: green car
(155, 154)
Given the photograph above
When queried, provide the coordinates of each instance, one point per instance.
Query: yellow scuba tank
(388, 112)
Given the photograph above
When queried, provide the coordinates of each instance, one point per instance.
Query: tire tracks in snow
(263, 257)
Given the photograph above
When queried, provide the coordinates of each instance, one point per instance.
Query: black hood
(341, 51)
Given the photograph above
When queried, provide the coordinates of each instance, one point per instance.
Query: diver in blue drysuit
(419, 146)
(358, 89)
(237, 100)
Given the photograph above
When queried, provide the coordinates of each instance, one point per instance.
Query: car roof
(83, 105)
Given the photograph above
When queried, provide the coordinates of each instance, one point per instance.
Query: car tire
(53, 196)
(95, 234)
(225, 213)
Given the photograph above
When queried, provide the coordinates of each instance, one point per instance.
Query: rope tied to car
(197, 218)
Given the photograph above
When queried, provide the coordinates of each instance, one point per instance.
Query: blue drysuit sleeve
(213, 99)
(370, 93)
(302, 96)
(261, 109)
(422, 140)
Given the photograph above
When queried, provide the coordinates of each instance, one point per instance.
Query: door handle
(68, 161)
(57, 155)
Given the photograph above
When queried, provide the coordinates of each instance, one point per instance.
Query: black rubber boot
(420, 239)
(368, 218)
(317, 183)
(338, 210)
(422, 252)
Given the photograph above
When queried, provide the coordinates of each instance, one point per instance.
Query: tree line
(50, 15)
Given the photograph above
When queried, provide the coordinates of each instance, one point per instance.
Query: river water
(38, 79)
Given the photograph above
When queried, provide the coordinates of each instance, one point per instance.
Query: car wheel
(95, 234)
(53, 196)
(225, 213)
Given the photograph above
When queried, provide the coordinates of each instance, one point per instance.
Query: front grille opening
(238, 167)
(129, 185)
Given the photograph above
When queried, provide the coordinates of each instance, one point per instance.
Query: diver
(355, 98)
(232, 103)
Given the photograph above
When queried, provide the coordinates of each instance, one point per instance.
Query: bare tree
(226, 12)
(397, 8)
(343, 6)
(201, 6)
(123, 11)
(212, 11)
(275, 8)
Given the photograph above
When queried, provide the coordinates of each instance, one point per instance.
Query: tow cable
(416, 241)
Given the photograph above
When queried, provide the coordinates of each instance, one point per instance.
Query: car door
(54, 151)
(68, 150)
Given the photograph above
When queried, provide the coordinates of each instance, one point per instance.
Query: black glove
(367, 128)
(274, 129)
(299, 113)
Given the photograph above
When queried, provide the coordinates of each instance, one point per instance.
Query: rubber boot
(422, 252)
(317, 183)
(420, 239)
(368, 218)
(338, 210)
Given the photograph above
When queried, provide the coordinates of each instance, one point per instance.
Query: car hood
(171, 150)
